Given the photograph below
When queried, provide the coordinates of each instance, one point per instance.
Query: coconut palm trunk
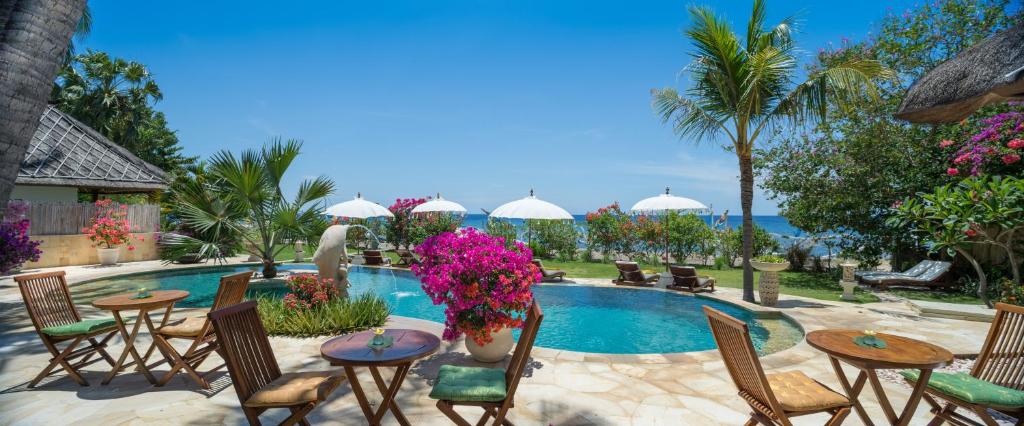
(33, 38)
(747, 202)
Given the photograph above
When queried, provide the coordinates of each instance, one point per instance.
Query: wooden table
(899, 353)
(350, 351)
(160, 299)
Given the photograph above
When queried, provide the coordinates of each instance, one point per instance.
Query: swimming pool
(576, 318)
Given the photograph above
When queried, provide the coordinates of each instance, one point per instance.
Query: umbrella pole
(666, 243)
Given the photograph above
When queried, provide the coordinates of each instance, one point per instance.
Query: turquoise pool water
(576, 318)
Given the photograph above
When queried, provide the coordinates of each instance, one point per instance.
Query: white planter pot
(108, 256)
(769, 267)
(494, 351)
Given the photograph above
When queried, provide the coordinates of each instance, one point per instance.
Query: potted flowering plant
(108, 230)
(484, 284)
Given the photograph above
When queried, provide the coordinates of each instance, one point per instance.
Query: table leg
(383, 390)
(852, 392)
(357, 389)
(389, 397)
(915, 398)
(129, 348)
(152, 332)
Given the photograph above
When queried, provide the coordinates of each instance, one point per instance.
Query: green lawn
(805, 284)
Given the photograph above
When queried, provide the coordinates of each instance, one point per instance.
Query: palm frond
(312, 190)
(688, 118)
(277, 156)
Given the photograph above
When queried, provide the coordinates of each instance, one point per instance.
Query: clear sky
(480, 100)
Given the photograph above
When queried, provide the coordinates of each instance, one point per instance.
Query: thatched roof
(65, 152)
(991, 71)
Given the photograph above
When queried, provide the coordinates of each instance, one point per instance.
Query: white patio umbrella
(358, 208)
(664, 203)
(531, 208)
(440, 205)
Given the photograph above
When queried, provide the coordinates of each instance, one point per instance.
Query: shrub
(309, 291)
(797, 255)
(770, 258)
(723, 262)
(502, 229)
(484, 284)
(610, 231)
(996, 148)
(554, 238)
(399, 228)
(337, 316)
(15, 246)
(109, 227)
(427, 225)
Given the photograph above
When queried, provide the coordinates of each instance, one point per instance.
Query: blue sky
(480, 100)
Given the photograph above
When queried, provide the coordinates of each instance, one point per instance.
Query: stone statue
(331, 258)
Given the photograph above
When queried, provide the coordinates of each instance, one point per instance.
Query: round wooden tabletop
(126, 301)
(900, 352)
(351, 350)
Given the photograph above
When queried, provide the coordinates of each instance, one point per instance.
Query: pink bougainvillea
(483, 283)
(309, 291)
(109, 227)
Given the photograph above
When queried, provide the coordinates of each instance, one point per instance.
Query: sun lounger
(630, 274)
(912, 272)
(937, 275)
(686, 278)
(375, 258)
(548, 276)
(406, 258)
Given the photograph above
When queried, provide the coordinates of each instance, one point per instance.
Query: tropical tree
(240, 198)
(744, 88)
(33, 38)
(116, 96)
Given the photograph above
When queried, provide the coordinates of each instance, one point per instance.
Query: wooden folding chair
(489, 388)
(1000, 363)
(773, 398)
(56, 320)
(257, 378)
(199, 331)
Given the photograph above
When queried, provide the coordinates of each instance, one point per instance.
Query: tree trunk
(33, 37)
(982, 278)
(747, 201)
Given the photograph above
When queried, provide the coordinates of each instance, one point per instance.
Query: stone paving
(561, 387)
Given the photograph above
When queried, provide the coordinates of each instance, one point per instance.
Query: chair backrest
(683, 271)
(521, 356)
(47, 299)
(733, 339)
(245, 348)
(1001, 360)
(231, 290)
(919, 268)
(540, 266)
(935, 271)
(403, 252)
(630, 271)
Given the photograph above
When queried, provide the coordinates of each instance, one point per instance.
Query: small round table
(899, 353)
(159, 299)
(350, 351)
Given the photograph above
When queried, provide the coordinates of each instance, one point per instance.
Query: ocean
(778, 226)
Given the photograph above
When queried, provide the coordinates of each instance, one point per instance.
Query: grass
(340, 316)
(804, 284)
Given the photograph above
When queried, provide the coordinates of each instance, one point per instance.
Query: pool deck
(560, 387)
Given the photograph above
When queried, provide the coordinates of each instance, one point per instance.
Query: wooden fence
(57, 218)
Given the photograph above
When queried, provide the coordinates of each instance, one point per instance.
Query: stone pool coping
(759, 312)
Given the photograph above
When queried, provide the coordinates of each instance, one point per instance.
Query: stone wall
(69, 250)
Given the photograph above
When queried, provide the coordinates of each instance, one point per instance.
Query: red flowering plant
(610, 231)
(484, 284)
(399, 227)
(995, 148)
(309, 291)
(109, 226)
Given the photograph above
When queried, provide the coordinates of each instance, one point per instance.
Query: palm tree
(240, 199)
(33, 37)
(745, 88)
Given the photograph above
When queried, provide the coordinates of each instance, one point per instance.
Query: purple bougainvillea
(483, 282)
(15, 246)
(995, 149)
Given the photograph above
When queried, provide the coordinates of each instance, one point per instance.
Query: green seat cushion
(81, 327)
(968, 388)
(471, 384)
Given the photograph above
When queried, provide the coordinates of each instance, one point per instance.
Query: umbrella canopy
(531, 208)
(991, 71)
(665, 203)
(439, 205)
(358, 208)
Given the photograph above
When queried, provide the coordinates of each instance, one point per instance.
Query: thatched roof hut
(991, 71)
(66, 153)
